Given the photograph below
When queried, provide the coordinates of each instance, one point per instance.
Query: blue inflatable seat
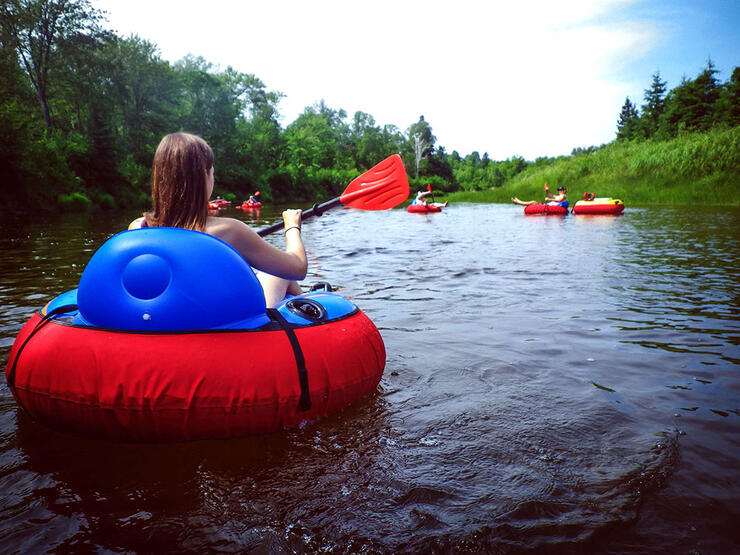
(169, 279)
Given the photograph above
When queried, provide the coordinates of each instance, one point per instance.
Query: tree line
(695, 105)
(82, 111)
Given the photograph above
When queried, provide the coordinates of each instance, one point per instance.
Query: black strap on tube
(44, 320)
(305, 401)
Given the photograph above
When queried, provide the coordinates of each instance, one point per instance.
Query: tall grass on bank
(695, 168)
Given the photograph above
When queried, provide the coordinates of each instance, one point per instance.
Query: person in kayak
(559, 199)
(420, 199)
(182, 183)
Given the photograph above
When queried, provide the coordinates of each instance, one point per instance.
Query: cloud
(527, 78)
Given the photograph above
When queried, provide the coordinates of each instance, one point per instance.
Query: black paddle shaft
(315, 210)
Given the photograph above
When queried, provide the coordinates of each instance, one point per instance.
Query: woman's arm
(290, 264)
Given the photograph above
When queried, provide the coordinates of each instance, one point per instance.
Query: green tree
(259, 142)
(146, 94)
(19, 131)
(729, 101)
(369, 143)
(316, 142)
(212, 104)
(88, 117)
(310, 141)
(38, 28)
(365, 140)
(692, 105)
(654, 106)
(627, 126)
(39, 159)
(707, 91)
(209, 105)
(439, 165)
(393, 139)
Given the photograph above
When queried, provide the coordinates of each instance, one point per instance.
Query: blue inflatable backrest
(169, 279)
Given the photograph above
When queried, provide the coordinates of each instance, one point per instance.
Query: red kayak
(546, 209)
(422, 208)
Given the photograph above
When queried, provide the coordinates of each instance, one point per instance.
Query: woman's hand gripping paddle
(383, 186)
(429, 188)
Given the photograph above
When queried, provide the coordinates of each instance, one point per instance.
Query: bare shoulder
(136, 224)
(230, 230)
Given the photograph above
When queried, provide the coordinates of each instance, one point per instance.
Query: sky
(523, 78)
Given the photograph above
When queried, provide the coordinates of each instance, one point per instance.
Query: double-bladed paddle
(383, 186)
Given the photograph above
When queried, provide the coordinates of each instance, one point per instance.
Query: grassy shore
(695, 168)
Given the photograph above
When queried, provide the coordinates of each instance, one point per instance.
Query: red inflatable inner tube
(613, 209)
(422, 208)
(180, 386)
(546, 209)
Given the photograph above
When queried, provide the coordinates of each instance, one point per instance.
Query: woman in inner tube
(549, 198)
(182, 183)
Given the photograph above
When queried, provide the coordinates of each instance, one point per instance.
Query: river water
(557, 384)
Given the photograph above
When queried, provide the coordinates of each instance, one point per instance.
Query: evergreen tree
(654, 106)
(692, 105)
(707, 90)
(729, 101)
(629, 119)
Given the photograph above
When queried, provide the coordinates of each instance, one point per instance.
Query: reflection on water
(551, 382)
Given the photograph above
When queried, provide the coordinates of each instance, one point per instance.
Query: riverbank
(695, 168)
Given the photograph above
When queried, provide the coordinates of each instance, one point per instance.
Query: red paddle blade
(256, 193)
(429, 187)
(383, 186)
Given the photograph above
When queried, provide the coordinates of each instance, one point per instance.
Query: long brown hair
(179, 173)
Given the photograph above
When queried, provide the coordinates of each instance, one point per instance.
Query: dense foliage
(82, 110)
